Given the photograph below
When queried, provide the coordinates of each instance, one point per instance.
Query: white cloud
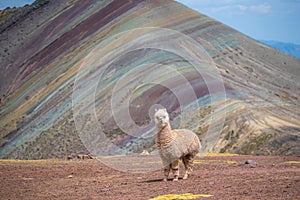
(241, 9)
(232, 1)
(229, 7)
(263, 8)
(210, 3)
(220, 9)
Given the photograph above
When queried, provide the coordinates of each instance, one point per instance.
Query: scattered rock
(28, 179)
(250, 162)
(79, 156)
(72, 156)
(145, 152)
(84, 157)
(105, 190)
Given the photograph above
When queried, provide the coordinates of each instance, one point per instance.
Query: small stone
(250, 162)
(145, 153)
(28, 179)
(70, 176)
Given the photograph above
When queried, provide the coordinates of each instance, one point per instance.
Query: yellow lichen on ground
(154, 162)
(216, 154)
(109, 157)
(181, 196)
(230, 162)
(24, 161)
(291, 162)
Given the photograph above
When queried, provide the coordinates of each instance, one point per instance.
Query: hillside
(81, 76)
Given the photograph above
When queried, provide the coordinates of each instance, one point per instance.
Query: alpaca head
(161, 118)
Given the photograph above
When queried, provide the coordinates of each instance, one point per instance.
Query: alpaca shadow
(159, 180)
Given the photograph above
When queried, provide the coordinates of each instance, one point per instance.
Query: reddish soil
(224, 177)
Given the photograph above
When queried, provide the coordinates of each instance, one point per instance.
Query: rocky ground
(215, 177)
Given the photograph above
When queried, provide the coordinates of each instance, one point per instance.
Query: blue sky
(14, 3)
(277, 20)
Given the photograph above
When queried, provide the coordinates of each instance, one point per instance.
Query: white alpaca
(174, 145)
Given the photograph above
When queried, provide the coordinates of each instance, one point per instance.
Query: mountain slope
(84, 76)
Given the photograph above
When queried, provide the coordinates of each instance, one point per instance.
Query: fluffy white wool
(174, 144)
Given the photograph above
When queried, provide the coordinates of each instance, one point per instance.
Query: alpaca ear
(165, 109)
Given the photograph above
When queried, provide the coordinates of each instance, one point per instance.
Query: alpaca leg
(185, 161)
(188, 161)
(175, 169)
(167, 170)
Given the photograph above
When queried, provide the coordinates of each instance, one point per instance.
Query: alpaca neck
(164, 136)
(166, 129)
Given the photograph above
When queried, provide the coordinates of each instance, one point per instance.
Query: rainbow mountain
(85, 76)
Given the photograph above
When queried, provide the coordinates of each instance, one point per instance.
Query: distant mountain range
(289, 48)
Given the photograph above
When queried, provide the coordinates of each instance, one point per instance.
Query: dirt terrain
(215, 177)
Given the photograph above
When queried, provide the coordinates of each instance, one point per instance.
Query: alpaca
(175, 145)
